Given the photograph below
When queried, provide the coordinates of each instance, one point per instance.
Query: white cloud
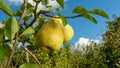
(82, 43)
(15, 2)
(1, 25)
(51, 2)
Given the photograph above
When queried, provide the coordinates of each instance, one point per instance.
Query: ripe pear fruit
(68, 33)
(67, 30)
(50, 36)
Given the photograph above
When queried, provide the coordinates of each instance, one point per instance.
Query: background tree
(112, 43)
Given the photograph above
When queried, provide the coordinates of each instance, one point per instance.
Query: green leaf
(1, 36)
(57, 9)
(3, 58)
(80, 10)
(40, 23)
(17, 13)
(37, 1)
(29, 6)
(4, 7)
(99, 12)
(28, 12)
(61, 3)
(11, 27)
(27, 17)
(45, 2)
(26, 65)
(63, 19)
(92, 19)
(2, 53)
(28, 32)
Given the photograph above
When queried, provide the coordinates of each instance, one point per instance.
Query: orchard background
(18, 48)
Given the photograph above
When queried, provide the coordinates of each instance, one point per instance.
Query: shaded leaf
(28, 12)
(29, 6)
(57, 9)
(61, 3)
(37, 1)
(40, 23)
(1, 36)
(92, 19)
(11, 27)
(3, 58)
(26, 65)
(17, 13)
(45, 2)
(6, 8)
(28, 32)
(63, 19)
(99, 12)
(27, 17)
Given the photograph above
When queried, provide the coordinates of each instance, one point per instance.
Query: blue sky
(83, 27)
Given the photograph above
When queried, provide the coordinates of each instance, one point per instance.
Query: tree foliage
(112, 43)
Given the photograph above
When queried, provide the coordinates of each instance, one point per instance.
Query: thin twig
(12, 52)
(73, 16)
(35, 10)
(64, 16)
(16, 39)
(35, 58)
(25, 24)
(27, 57)
(35, 17)
(20, 55)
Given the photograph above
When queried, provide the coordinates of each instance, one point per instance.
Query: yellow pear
(50, 36)
(67, 30)
(68, 33)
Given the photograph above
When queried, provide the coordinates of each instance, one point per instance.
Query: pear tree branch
(64, 16)
(16, 38)
(35, 58)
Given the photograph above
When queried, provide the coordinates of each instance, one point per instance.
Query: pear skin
(68, 33)
(50, 36)
(67, 30)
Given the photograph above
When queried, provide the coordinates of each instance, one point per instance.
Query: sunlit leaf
(26, 65)
(61, 3)
(11, 27)
(6, 8)
(99, 12)
(63, 19)
(79, 10)
(84, 13)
